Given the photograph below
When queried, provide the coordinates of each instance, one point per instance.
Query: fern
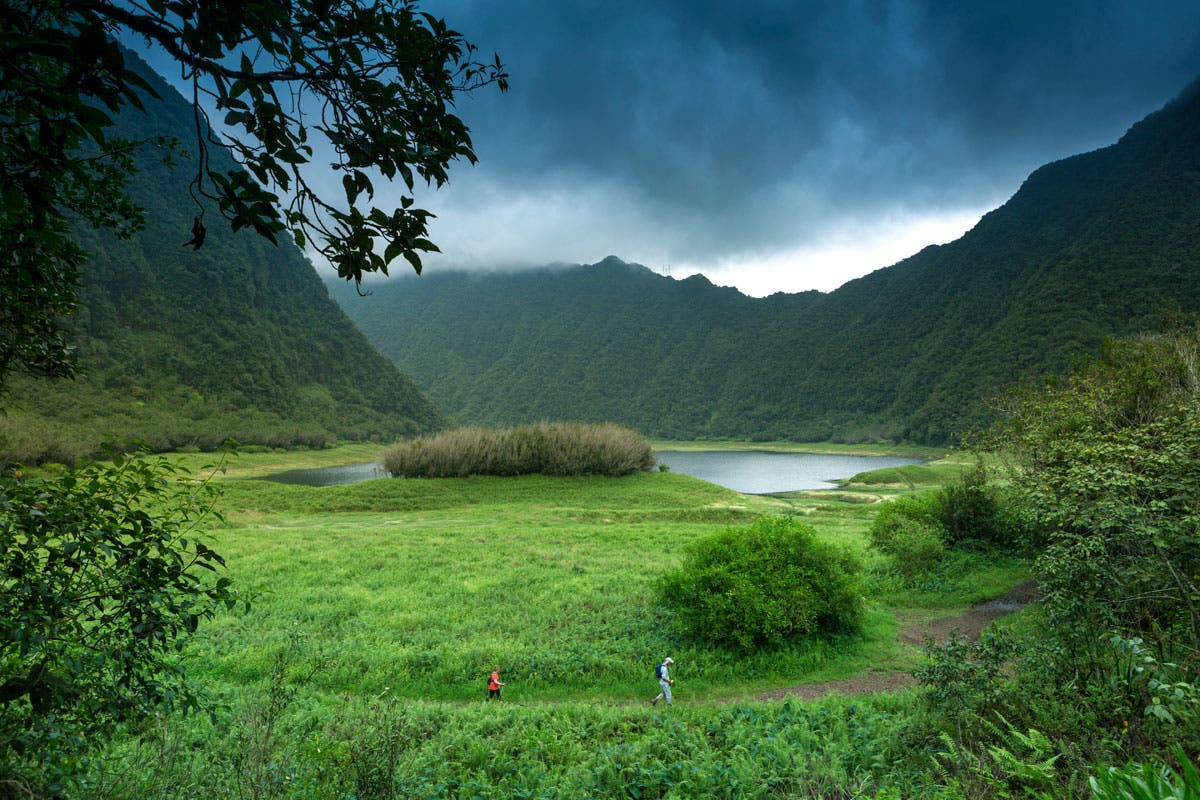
(1148, 781)
(1025, 760)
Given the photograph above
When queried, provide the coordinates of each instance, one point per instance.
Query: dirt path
(969, 624)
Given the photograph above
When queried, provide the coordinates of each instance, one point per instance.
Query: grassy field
(415, 588)
(380, 608)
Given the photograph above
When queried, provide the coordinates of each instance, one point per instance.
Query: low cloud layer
(791, 142)
(780, 146)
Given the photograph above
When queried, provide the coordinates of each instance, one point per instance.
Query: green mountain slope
(1099, 244)
(182, 347)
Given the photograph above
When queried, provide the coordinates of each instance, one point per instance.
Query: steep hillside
(1099, 244)
(185, 347)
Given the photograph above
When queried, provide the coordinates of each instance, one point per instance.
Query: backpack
(658, 668)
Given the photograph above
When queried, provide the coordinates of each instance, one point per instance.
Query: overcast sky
(782, 146)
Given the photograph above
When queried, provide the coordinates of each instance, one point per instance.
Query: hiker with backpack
(664, 680)
(494, 684)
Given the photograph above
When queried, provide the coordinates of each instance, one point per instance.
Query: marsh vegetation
(546, 448)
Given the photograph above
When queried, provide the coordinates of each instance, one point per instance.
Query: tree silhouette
(364, 88)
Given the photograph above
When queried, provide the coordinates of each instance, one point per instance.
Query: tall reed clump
(549, 448)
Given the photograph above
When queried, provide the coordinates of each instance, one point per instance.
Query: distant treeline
(549, 448)
(73, 422)
(1097, 245)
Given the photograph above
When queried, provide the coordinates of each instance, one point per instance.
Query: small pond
(747, 471)
(329, 476)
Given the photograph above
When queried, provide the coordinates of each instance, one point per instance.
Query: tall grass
(383, 748)
(549, 448)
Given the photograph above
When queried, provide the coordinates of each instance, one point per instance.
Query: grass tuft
(547, 448)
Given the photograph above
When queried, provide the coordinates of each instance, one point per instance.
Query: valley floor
(379, 608)
(417, 586)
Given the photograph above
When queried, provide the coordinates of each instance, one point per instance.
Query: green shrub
(970, 511)
(966, 680)
(917, 546)
(549, 448)
(1108, 464)
(908, 524)
(103, 578)
(916, 529)
(764, 584)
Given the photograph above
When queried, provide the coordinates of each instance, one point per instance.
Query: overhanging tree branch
(371, 84)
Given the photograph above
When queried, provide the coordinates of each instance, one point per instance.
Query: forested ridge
(1101, 244)
(185, 347)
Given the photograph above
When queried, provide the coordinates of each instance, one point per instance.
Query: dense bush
(1110, 463)
(916, 529)
(970, 511)
(764, 584)
(1107, 667)
(915, 544)
(103, 577)
(909, 529)
(549, 448)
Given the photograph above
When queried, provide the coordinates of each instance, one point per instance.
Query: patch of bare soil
(969, 624)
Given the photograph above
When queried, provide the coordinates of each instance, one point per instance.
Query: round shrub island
(765, 584)
(548, 448)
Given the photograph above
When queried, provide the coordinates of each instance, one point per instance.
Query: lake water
(762, 472)
(750, 472)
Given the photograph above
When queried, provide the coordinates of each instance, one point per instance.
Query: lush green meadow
(380, 607)
(416, 587)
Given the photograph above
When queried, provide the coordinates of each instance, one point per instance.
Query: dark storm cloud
(804, 142)
(750, 124)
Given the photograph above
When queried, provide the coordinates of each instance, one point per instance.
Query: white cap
(669, 660)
